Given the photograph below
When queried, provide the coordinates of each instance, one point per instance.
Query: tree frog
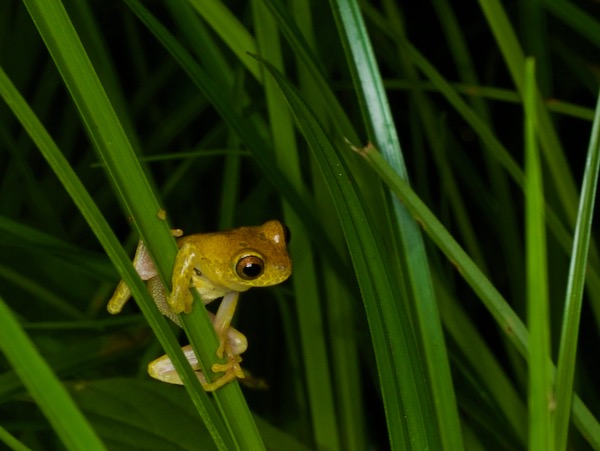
(221, 264)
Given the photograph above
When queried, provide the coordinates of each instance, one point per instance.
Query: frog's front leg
(180, 300)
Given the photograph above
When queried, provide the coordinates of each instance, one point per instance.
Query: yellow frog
(221, 264)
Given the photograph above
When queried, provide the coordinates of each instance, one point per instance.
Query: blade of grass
(43, 385)
(506, 318)
(112, 247)
(379, 120)
(574, 296)
(492, 93)
(115, 150)
(310, 319)
(539, 390)
(576, 18)
(515, 61)
(230, 29)
(289, 29)
(396, 351)
(260, 148)
(12, 442)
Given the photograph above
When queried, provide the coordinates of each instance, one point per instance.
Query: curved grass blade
(43, 385)
(11, 442)
(515, 62)
(260, 148)
(115, 150)
(318, 374)
(112, 247)
(380, 123)
(404, 394)
(539, 388)
(567, 355)
(506, 318)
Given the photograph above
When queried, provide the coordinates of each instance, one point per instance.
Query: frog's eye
(249, 267)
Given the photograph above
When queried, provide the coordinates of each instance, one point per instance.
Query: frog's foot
(231, 346)
(232, 366)
(215, 385)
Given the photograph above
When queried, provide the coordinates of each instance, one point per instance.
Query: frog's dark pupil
(252, 270)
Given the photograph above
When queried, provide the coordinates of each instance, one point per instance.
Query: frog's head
(246, 257)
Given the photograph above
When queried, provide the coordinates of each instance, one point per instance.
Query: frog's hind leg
(164, 370)
(232, 343)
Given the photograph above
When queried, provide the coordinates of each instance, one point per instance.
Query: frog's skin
(221, 264)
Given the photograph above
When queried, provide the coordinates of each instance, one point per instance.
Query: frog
(217, 265)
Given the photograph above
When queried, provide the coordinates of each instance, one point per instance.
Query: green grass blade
(314, 347)
(395, 349)
(43, 385)
(515, 61)
(539, 391)
(231, 30)
(111, 245)
(507, 319)
(115, 150)
(339, 117)
(576, 18)
(574, 297)
(378, 117)
(11, 442)
(247, 132)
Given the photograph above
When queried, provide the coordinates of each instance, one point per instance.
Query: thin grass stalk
(42, 384)
(110, 243)
(115, 150)
(539, 390)
(567, 355)
(394, 348)
(379, 122)
(309, 310)
(507, 319)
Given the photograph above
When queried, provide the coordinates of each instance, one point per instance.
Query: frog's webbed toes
(232, 368)
(233, 358)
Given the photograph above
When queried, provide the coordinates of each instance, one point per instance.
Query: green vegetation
(437, 169)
